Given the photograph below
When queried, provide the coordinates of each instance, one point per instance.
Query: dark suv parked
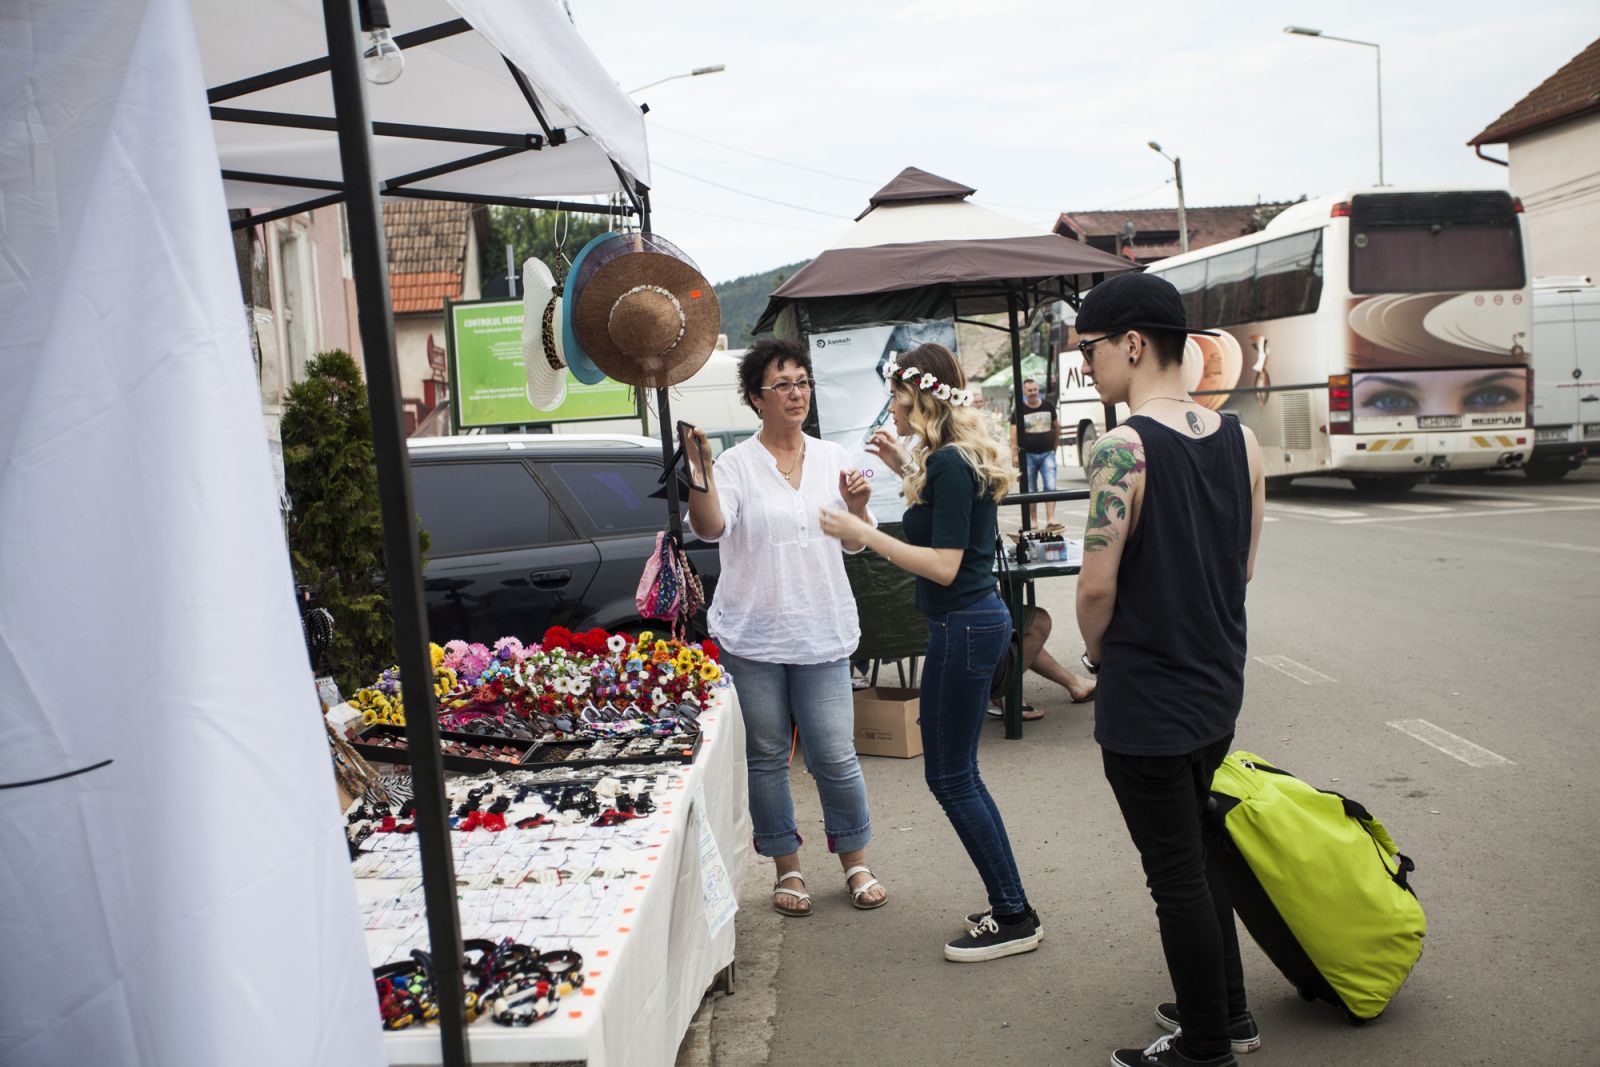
(531, 531)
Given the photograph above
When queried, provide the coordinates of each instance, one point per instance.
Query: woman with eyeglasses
(953, 477)
(785, 618)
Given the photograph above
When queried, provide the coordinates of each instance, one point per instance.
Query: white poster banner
(716, 887)
(853, 399)
(175, 886)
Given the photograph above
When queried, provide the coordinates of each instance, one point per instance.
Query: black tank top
(1172, 674)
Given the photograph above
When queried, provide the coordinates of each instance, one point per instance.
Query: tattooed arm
(1116, 486)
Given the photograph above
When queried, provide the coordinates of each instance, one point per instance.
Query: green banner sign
(489, 386)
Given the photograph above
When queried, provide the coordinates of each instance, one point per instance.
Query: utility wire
(741, 192)
(830, 174)
(752, 222)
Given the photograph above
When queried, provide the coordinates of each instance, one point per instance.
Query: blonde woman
(953, 476)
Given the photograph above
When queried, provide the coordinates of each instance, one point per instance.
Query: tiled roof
(427, 252)
(1569, 92)
(1156, 229)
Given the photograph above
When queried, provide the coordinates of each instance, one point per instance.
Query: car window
(618, 498)
(481, 507)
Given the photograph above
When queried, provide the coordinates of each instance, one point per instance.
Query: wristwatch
(1092, 668)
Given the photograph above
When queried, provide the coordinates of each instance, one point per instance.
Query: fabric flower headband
(957, 398)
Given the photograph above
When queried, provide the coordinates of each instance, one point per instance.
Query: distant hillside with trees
(744, 299)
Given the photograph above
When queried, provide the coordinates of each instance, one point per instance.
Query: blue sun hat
(578, 361)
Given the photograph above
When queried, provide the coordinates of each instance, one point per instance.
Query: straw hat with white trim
(541, 337)
(642, 311)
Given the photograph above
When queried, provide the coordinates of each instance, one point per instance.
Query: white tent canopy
(460, 84)
(940, 220)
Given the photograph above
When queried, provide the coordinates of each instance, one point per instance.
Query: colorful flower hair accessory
(927, 382)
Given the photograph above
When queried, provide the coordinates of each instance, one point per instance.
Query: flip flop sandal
(1029, 712)
(779, 889)
(1083, 699)
(861, 891)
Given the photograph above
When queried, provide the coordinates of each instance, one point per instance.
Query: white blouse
(782, 596)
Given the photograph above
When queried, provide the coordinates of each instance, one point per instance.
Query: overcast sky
(1045, 107)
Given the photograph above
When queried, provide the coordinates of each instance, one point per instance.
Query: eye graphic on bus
(1439, 393)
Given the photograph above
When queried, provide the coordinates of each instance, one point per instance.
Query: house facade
(1552, 139)
(1148, 235)
(299, 293)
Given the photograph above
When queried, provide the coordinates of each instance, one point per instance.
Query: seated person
(1036, 628)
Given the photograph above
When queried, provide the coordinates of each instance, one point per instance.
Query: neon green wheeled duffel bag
(1319, 883)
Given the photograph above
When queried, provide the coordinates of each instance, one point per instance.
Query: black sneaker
(989, 940)
(978, 916)
(1242, 1030)
(1163, 1052)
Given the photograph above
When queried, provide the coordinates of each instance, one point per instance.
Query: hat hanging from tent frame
(541, 337)
(578, 361)
(642, 311)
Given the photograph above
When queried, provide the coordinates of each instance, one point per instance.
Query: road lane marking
(1298, 671)
(1420, 508)
(1448, 743)
(1507, 503)
(1453, 514)
(1482, 495)
(1311, 512)
(1566, 545)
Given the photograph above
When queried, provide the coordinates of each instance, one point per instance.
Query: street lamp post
(715, 68)
(1303, 31)
(1177, 174)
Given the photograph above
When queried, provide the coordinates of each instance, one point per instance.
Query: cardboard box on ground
(886, 722)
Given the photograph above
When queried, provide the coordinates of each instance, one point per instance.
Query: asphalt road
(1473, 607)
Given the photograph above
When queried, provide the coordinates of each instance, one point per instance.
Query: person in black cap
(1176, 495)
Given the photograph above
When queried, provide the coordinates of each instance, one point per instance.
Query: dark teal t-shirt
(953, 514)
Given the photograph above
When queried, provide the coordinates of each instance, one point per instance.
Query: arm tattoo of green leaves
(1109, 469)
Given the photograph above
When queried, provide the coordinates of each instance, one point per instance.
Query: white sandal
(778, 889)
(861, 891)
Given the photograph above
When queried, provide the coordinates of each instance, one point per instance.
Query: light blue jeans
(817, 698)
(1039, 472)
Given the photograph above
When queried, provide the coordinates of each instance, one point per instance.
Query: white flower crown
(957, 398)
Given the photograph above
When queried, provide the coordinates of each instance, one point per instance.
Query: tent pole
(402, 559)
(1016, 381)
(663, 405)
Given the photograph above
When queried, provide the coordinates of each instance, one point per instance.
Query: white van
(1566, 375)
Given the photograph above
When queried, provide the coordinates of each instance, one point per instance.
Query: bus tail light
(1339, 417)
(1516, 205)
(1341, 210)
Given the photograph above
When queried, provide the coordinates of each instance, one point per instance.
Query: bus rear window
(1434, 242)
(1420, 259)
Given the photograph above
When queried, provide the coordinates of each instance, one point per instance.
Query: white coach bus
(1380, 334)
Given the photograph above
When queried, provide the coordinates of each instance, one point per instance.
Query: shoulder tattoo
(1111, 467)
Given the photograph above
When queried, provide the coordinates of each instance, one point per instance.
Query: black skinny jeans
(1163, 800)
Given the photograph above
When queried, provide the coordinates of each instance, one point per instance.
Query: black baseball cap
(1134, 301)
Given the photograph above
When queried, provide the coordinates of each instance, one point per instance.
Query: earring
(1130, 361)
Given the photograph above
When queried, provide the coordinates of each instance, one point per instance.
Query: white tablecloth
(647, 974)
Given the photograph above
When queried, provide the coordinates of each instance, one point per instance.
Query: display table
(1016, 584)
(653, 954)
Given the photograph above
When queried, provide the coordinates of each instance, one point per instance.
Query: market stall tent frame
(922, 250)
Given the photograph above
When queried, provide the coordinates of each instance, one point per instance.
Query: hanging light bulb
(382, 60)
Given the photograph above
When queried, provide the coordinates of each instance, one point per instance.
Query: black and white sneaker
(1242, 1029)
(978, 916)
(1163, 1052)
(989, 940)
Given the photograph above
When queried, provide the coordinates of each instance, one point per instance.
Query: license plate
(1549, 435)
(1438, 422)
